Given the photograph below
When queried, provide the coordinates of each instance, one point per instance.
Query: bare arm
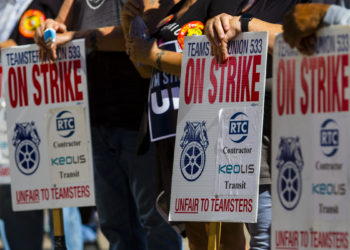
(148, 53)
(257, 25)
(65, 14)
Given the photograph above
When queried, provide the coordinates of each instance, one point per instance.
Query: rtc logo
(289, 163)
(329, 137)
(194, 142)
(26, 140)
(238, 127)
(65, 124)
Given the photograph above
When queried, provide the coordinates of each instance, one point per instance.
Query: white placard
(4, 152)
(48, 128)
(311, 144)
(219, 131)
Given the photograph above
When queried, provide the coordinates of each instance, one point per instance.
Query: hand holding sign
(48, 51)
(300, 25)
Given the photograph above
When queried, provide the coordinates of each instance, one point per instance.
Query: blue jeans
(126, 192)
(260, 231)
(73, 230)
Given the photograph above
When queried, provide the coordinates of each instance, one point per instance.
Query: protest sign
(48, 128)
(4, 153)
(310, 146)
(219, 131)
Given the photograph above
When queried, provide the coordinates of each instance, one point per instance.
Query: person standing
(125, 182)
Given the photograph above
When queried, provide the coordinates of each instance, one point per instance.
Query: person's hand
(48, 51)
(141, 50)
(219, 31)
(301, 23)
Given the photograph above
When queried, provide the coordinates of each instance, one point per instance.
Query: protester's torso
(116, 91)
(36, 13)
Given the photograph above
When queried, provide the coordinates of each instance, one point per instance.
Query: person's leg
(260, 231)
(3, 235)
(143, 183)
(27, 224)
(115, 206)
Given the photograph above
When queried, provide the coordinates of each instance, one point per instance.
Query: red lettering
(231, 74)
(245, 78)
(304, 101)
(12, 87)
(345, 82)
(290, 95)
(222, 81)
(77, 80)
(321, 84)
(255, 78)
(53, 83)
(198, 85)
(189, 85)
(67, 81)
(37, 96)
(213, 81)
(280, 89)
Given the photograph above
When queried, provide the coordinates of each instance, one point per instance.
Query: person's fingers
(210, 32)
(225, 21)
(60, 27)
(223, 52)
(212, 49)
(39, 35)
(219, 29)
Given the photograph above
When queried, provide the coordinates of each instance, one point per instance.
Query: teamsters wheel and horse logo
(194, 142)
(26, 141)
(290, 163)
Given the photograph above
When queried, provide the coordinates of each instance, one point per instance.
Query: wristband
(245, 19)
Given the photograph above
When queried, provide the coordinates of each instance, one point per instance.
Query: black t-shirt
(117, 93)
(37, 11)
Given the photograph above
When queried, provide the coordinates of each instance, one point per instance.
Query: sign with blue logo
(65, 124)
(4, 152)
(26, 141)
(311, 144)
(329, 137)
(219, 132)
(48, 128)
(238, 127)
(194, 142)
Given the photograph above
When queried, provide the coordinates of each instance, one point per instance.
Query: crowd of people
(129, 44)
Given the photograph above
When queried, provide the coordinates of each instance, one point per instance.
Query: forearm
(167, 61)
(65, 14)
(256, 25)
(8, 43)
